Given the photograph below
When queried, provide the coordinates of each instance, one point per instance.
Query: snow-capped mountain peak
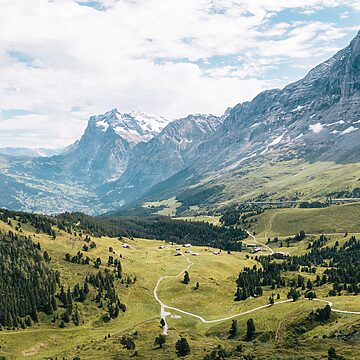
(134, 126)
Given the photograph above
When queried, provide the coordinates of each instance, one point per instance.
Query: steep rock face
(164, 155)
(316, 118)
(102, 153)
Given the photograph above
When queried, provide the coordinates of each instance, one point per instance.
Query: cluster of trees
(251, 280)
(342, 264)
(27, 283)
(298, 237)
(104, 283)
(248, 283)
(67, 298)
(313, 205)
(318, 243)
(355, 193)
(238, 214)
(342, 270)
(41, 223)
(320, 315)
(78, 258)
(180, 231)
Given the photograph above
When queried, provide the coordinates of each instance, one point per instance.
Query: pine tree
(53, 303)
(250, 329)
(182, 347)
(186, 278)
(160, 340)
(62, 324)
(76, 317)
(69, 302)
(233, 329)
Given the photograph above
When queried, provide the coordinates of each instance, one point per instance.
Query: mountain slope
(163, 156)
(69, 181)
(103, 151)
(310, 118)
(312, 124)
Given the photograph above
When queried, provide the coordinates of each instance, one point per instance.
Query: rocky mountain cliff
(163, 156)
(316, 118)
(102, 153)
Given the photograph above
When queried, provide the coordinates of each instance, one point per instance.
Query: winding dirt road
(260, 243)
(164, 307)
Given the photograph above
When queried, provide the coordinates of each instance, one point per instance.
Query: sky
(62, 61)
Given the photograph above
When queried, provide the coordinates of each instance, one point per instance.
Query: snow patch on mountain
(102, 124)
(134, 126)
(316, 128)
(349, 130)
(341, 122)
(298, 108)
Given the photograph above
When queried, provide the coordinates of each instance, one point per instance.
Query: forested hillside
(27, 283)
(149, 227)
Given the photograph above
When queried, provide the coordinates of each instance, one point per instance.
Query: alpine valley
(205, 237)
(293, 144)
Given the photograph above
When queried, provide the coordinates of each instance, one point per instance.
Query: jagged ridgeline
(27, 283)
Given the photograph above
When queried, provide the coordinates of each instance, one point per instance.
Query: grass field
(167, 207)
(287, 222)
(215, 220)
(213, 299)
(287, 179)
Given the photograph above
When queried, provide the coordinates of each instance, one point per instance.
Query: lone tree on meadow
(182, 347)
(128, 343)
(250, 329)
(160, 340)
(186, 278)
(332, 355)
(233, 329)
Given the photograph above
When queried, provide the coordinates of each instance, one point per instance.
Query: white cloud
(151, 55)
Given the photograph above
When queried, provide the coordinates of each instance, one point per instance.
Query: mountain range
(297, 143)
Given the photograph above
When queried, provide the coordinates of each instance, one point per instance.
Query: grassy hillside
(213, 300)
(269, 179)
(332, 219)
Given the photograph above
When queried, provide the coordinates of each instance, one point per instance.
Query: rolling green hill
(142, 267)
